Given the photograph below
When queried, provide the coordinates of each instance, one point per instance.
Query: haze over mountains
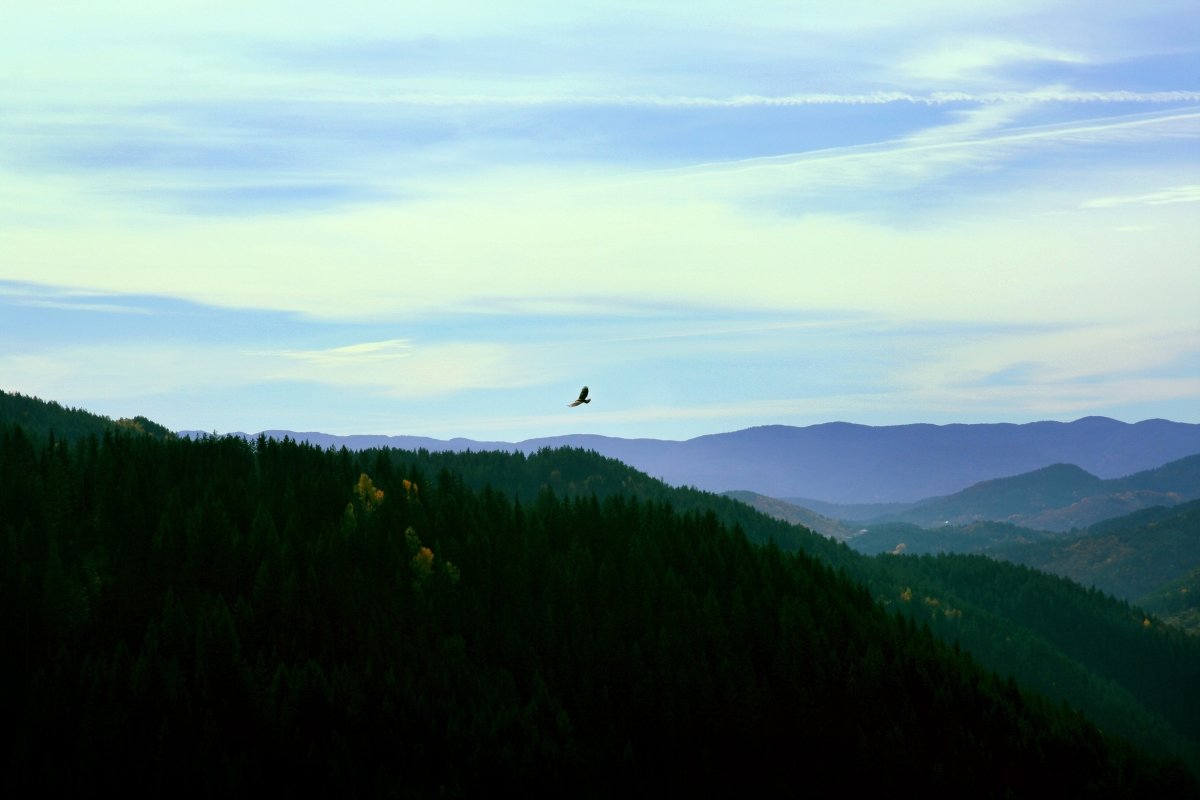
(845, 463)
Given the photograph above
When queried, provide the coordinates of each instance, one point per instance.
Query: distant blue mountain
(1060, 497)
(839, 462)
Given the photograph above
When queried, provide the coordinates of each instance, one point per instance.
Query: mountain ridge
(850, 463)
(1059, 497)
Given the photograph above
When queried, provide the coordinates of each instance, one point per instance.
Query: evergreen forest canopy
(218, 615)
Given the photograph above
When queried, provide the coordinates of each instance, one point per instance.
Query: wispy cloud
(405, 369)
(975, 57)
(961, 142)
(938, 98)
(33, 295)
(1074, 361)
(102, 308)
(354, 356)
(1169, 196)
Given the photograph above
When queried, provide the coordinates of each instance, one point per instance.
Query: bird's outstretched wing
(583, 398)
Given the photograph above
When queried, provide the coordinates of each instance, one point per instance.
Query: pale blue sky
(442, 219)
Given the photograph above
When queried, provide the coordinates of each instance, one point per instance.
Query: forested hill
(41, 418)
(210, 616)
(1051, 634)
(575, 472)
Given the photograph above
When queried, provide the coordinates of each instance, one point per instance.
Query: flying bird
(583, 398)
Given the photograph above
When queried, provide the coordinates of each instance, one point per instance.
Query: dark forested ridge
(217, 615)
(40, 418)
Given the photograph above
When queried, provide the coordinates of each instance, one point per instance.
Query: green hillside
(1128, 672)
(1049, 633)
(1177, 602)
(1129, 557)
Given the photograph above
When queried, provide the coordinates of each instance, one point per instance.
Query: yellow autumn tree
(422, 561)
(367, 493)
(367, 498)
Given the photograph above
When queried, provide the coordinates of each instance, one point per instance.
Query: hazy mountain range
(845, 463)
(1060, 497)
(1024, 508)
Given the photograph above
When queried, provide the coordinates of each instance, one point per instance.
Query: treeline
(222, 616)
(575, 472)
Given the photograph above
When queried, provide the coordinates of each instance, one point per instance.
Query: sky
(443, 219)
